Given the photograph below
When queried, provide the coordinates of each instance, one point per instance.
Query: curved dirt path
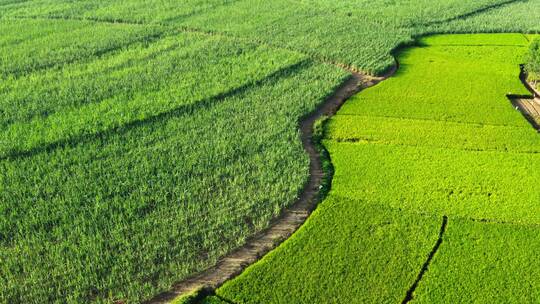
(291, 218)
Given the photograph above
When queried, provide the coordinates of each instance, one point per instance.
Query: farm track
(529, 106)
(291, 218)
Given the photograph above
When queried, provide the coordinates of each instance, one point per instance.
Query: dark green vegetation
(438, 139)
(116, 206)
(533, 63)
(142, 140)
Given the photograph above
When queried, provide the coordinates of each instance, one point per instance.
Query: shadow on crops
(181, 110)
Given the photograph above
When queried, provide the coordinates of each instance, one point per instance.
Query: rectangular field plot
(431, 133)
(347, 252)
(484, 263)
(449, 83)
(492, 185)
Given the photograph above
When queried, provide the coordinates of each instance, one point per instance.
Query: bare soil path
(291, 218)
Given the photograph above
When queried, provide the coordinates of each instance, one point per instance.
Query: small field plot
(484, 263)
(349, 251)
(476, 184)
(444, 80)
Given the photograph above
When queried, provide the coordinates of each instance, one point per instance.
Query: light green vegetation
(142, 140)
(439, 138)
(480, 75)
(484, 263)
(347, 251)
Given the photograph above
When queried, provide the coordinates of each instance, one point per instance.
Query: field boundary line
(410, 292)
(433, 120)
(357, 140)
(473, 13)
(291, 218)
(186, 29)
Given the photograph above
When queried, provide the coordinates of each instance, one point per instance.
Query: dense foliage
(533, 62)
(141, 140)
(98, 206)
(439, 138)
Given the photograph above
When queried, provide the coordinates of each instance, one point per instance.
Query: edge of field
(311, 127)
(204, 284)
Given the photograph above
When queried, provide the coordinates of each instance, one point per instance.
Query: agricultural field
(417, 162)
(141, 141)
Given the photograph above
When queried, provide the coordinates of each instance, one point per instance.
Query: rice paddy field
(142, 141)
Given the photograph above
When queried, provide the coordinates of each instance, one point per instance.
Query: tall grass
(142, 140)
(533, 62)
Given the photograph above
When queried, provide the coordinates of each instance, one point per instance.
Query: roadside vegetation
(140, 141)
(406, 153)
(533, 63)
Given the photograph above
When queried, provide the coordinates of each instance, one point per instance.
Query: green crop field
(141, 141)
(406, 153)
